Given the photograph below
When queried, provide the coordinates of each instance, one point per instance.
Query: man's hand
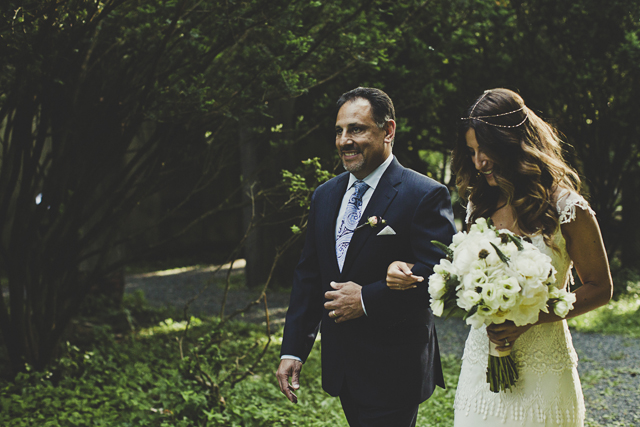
(289, 368)
(400, 277)
(345, 302)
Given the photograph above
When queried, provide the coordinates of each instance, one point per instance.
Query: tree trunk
(249, 161)
(630, 238)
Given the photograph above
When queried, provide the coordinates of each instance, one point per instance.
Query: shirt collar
(373, 178)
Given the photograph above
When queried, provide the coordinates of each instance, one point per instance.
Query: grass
(621, 317)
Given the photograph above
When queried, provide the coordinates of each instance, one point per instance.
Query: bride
(508, 164)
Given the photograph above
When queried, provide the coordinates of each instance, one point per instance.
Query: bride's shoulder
(567, 201)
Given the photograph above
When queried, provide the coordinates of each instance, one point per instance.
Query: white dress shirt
(372, 181)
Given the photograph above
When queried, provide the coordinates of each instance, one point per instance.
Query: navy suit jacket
(389, 357)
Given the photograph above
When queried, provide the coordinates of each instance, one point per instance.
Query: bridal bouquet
(494, 276)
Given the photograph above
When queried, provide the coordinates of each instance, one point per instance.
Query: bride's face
(482, 162)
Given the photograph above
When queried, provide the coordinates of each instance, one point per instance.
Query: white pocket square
(387, 231)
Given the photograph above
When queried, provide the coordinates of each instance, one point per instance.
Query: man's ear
(390, 129)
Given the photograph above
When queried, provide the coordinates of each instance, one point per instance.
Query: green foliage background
(173, 110)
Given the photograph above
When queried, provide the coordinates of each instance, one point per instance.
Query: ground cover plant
(134, 366)
(140, 379)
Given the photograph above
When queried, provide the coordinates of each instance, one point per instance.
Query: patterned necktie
(350, 221)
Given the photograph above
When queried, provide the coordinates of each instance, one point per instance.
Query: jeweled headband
(480, 118)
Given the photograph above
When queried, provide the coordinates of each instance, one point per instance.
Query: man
(379, 346)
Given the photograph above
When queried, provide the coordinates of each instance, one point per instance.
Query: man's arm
(433, 220)
(305, 305)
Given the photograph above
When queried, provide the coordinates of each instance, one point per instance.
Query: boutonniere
(373, 222)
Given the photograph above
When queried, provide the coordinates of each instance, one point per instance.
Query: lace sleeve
(567, 203)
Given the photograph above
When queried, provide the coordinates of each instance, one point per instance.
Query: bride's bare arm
(400, 277)
(586, 249)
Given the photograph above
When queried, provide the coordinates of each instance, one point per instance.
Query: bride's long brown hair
(528, 163)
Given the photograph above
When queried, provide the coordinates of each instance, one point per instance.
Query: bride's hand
(505, 334)
(400, 277)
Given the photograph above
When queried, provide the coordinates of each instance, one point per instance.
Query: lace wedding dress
(548, 391)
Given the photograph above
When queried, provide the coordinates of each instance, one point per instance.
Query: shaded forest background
(158, 130)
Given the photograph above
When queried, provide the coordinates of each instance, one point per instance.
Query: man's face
(361, 144)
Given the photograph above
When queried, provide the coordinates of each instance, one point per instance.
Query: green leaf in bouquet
(471, 312)
(517, 240)
(501, 254)
(444, 248)
(451, 285)
(490, 223)
(450, 310)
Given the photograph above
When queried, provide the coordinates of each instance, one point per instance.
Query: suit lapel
(380, 201)
(326, 220)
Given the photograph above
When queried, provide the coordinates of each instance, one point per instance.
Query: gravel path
(609, 364)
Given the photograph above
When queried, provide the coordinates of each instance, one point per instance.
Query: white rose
(564, 302)
(437, 306)
(458, 238)
(509, 249)
(436, 286)
(561, 308)
(475, 320)
(528, 309)
(499, 317)
(462, 258)
(532, 264)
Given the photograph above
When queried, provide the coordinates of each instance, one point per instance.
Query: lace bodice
(548, 391)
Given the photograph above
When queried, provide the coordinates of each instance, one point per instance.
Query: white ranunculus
(508, 301)
(436, 286)
(474, 279)
(509, 292)
(467, 298)
(444, 267)
(485, 310)
(437, 306)
(480, 225)
(509, 285)
(491, 295)
(478, 266)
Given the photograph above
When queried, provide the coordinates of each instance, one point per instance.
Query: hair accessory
(480, 118)
(478, 101)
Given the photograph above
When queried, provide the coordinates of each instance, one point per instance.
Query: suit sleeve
(306, 303)
(433, 220)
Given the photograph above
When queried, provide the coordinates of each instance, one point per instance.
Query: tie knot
(361, 187)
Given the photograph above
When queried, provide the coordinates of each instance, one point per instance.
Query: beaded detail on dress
(548, 391)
